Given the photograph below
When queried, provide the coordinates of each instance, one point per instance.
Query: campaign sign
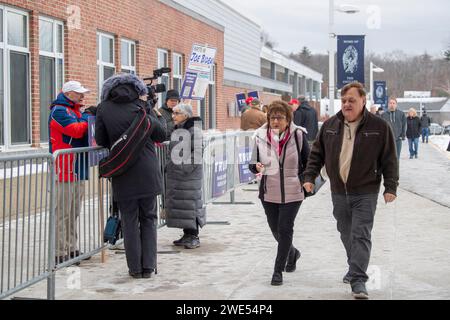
(245, 156)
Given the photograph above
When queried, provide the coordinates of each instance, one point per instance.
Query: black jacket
(114, 117)
(306, 117)
(184, 182)
(374, 156)
(166, 112)
(425, 121)
(414, 128)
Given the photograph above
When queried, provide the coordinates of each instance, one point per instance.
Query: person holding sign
(280, 152)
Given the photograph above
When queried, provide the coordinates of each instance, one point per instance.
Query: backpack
(126, 150)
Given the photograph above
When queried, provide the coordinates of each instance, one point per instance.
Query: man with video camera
(123, 98)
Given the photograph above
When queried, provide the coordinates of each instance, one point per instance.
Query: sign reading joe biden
(198, 72)
(350, 60)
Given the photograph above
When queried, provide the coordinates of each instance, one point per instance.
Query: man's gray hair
(185, 109)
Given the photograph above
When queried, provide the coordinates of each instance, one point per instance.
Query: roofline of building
(289, 63)
(239, 13)
(193, 14)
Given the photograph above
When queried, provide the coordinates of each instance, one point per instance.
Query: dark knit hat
(173, 94)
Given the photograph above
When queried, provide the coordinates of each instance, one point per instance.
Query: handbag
(113, 228)
(318, 183)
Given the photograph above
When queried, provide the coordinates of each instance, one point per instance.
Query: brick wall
(150, 23)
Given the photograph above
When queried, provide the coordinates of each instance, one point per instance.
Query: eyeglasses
(279, 118)
(177, 113)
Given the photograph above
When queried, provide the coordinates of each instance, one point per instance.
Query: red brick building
(50, 42)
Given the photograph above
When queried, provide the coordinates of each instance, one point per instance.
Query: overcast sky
(414, 26)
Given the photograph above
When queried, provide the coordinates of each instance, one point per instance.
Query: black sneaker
(292, 263)
(181, 242)
(193, 242)
(277, 279)
(135, 275)
(359, 291)
(347, 278)
(147, 273)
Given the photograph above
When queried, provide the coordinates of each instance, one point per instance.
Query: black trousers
(139, 227)
(281, 219)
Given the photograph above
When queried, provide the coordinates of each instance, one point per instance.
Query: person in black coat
(137, 189)
(184, 172)
(306, 117)
(413, 132)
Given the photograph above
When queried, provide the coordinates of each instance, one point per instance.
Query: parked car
(447, 130)
(436, 129)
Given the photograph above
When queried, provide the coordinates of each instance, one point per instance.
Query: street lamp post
(373, 68)
(349, 9)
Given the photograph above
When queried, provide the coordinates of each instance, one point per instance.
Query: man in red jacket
(68, 129)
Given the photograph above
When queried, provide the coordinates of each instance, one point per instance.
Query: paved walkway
(410, 260)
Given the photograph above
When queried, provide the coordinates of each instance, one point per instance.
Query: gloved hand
(92, 110)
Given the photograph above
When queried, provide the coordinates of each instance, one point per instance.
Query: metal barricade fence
(55, 207)
(24, 221)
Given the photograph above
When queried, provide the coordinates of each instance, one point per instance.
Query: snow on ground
(440, 141)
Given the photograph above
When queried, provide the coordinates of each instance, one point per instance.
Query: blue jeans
(413, 147)
(425, 134)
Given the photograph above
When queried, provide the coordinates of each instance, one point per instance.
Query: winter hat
(249, 100)
(173, 94)
(120, 79)
(294, 101)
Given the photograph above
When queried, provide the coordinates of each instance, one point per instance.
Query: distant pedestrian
(380, 111)
(280, 152)
(425, 123)
(254, 118)
(413, 133)
(306, 117)
(397, 120)
(248, 105)
(295, 104)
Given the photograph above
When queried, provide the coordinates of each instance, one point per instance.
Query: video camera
(153, 90)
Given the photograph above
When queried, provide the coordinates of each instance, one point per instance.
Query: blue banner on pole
(380, 93)
(350, 60)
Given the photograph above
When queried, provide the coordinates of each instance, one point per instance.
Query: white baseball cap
(74, 86)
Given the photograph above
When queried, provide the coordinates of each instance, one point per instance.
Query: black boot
(181, 242)
(291, 265)
(277, 279)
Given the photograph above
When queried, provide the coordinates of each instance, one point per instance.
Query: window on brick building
(208, 105)
(105, 59)
(177, 71)
(51, 67)
(128, 56)
(15, 113)
(163, 62)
